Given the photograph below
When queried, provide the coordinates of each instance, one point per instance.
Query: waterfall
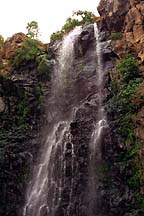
(66, 57)
(44, 189)
(96, 160)
(36, 195)
(65, 181)
(102, 122)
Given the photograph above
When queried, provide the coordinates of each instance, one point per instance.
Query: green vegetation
(116, 35)
(21, 90)
(125, 80)
(26, 53)
(57, 36)
(124, 83)
(1, 41)
(78, 18)
(86, 17)
(70, 24)
(39, 93)
(33, 29)
(22, 112)
(122, 91)
(44, 67)
(4, 75)
(127, 67)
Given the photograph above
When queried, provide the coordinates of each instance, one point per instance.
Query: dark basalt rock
(76, 198)
(18, 136)
(84, 41)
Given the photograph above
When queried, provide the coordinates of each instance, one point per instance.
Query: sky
(50, 14)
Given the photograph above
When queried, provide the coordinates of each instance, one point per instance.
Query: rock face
(9, 48)
(21, 95)
(126, 17)
(28, 110)
(16, 139)
(12, 44)
(124, 20)
(2, 105)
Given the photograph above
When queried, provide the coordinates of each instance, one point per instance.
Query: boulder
(12, 43)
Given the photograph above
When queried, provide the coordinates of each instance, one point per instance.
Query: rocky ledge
(126, 17)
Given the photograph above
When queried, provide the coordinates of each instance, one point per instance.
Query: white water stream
(96, 142)
(102, 122)
(42, 181)
(44, 192)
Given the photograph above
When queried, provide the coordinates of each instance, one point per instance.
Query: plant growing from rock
(86, 17)
(125, 81)
(1, 41)
(116, 35)
(26, 53)
(78, 18)
(128, 68)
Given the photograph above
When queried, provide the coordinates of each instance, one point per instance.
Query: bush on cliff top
(1, 41)
(78, 18)
(26, 53)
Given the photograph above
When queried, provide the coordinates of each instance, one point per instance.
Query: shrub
(27, 52)
(1, 41)
(128, 68)
(86, 17)
(22, 112)
(115, 35)
(39, 93)
(56, 36)
(130, 88)
(123, 88)
(70, 24)
(44, 67)
(4, 75)
(78, 18)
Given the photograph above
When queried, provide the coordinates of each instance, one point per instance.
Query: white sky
(50, 14)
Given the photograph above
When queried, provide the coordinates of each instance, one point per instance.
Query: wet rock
(140, 124)
(85, 40)
(2, 105)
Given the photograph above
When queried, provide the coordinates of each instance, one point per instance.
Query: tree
(86, 16)
(70, 23)
(1, 41)
(33, 29)
(78, 18)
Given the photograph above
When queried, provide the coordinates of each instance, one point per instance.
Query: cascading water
(97, 134)
(44, 190)
(100, 74)
(36, 195)
(65, 181)
(66, 57)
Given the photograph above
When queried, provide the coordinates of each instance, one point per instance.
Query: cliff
(31, 103)
(24, 82)
(122, 22)
(126, 17)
